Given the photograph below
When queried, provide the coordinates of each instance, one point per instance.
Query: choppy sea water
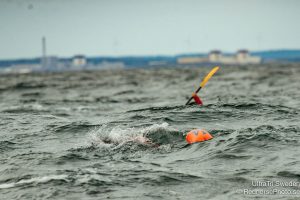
(81, 135)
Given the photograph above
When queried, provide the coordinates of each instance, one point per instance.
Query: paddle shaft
(199, 88)
(207, 77)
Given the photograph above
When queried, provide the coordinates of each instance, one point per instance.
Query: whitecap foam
(43, 179)
(107, 136)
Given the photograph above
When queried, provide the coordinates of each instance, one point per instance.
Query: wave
(289, 174)
(32, 94)
(159, 108)
(156, 134)
(7, 145)
(35, 180)
(109, 140)
(25, 109)
(28, 85)
(73, 127)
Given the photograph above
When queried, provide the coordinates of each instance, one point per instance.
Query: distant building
(243, 57)
(79, 61)
(216, 56)
(242, 54)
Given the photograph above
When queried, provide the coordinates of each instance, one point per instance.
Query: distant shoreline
(80, 62)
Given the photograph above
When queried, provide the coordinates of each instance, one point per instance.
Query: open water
(81, 135)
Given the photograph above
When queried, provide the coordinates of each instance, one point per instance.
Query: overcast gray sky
(145, 27)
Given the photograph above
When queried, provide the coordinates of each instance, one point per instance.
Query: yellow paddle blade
(208, 76)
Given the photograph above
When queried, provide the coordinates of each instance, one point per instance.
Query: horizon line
(150, 55)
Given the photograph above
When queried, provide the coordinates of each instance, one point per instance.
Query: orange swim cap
(197, 135)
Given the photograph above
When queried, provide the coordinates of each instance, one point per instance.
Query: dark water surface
(79, 135)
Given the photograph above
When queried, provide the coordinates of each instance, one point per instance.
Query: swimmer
(138, 139)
